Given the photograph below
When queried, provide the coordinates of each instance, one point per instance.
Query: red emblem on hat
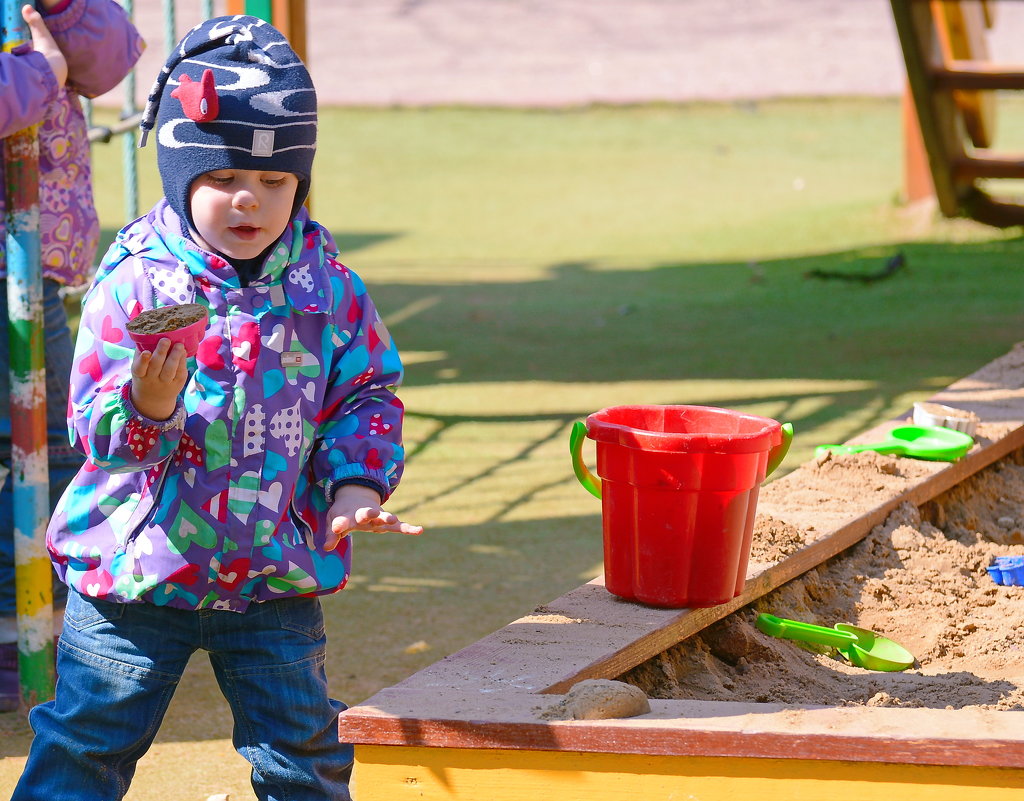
(199, 101)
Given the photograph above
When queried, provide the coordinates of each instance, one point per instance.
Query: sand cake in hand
(185, 323)
(166, 318)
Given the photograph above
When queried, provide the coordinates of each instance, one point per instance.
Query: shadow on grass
(950, 310)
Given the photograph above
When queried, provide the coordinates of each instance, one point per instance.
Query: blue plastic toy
(1007, 570)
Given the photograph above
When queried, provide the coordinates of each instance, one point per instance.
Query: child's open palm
(357, 508)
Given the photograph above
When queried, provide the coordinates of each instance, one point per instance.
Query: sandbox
(893, 544)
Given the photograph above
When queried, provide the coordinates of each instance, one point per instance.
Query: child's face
(240, 213)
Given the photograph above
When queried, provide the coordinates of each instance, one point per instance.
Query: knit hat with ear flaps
(232, 95)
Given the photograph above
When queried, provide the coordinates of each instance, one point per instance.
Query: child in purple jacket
(79, 47)
(220, 489)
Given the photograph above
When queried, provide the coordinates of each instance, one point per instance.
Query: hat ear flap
(199, 100)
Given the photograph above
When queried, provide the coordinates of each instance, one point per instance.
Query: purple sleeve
(99, 41)
(27, 87)
(103, 422)
(360, 429)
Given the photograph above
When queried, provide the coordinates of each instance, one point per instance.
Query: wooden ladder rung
(977, 75)
(989, 165)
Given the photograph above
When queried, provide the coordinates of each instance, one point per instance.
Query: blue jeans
(119, 664)
(64, 460)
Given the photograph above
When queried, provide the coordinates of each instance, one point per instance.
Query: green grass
(517, 190)
(536, 266)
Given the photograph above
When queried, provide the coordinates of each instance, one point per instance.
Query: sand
(918, 579)
(167, 318)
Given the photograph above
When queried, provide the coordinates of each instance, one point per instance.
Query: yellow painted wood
(34, 578)
(936, 112)
(394, 773)
(960, 29)
(34, 604)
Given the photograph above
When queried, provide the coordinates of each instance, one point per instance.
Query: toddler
(220, 490)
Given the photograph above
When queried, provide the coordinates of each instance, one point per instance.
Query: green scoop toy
(935, 443)
(861, 647)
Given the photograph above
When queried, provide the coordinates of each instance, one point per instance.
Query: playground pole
(30, 474)
(288, 16)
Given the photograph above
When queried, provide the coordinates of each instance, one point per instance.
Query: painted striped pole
(30, 474)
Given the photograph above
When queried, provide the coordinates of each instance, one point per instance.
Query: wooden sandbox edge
(485, 695)
(512, 721)
(588, 633)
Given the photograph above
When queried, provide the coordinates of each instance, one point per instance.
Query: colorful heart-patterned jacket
(290, 396)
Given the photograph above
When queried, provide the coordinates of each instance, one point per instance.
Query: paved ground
(556, 52)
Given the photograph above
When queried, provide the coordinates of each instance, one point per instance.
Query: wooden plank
(989, 165)
(917, 176)
(386, 774)
(259, 8)
(511, 720)
(973, 75)
(1001, 213)
(289, 17)
(936, 111)
(961, 33)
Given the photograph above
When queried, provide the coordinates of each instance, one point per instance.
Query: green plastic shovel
(861, 647)
(921, 442)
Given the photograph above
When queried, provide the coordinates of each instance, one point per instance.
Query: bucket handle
(778, 453)
(592, 484)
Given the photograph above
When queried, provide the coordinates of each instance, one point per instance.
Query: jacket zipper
(136, 528)
(300, 524)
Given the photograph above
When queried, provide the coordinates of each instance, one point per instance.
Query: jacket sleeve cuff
(49, 79)
(364, 481)
(65, 15)
(60, 8)
(176, 420)
(42, 66)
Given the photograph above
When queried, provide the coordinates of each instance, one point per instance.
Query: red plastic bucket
(678, 491)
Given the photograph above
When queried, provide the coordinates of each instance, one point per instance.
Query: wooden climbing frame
(952, 83)
(288, 16)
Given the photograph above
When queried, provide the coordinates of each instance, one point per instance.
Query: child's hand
(357, 508)
(158, 378)
(42, 41)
